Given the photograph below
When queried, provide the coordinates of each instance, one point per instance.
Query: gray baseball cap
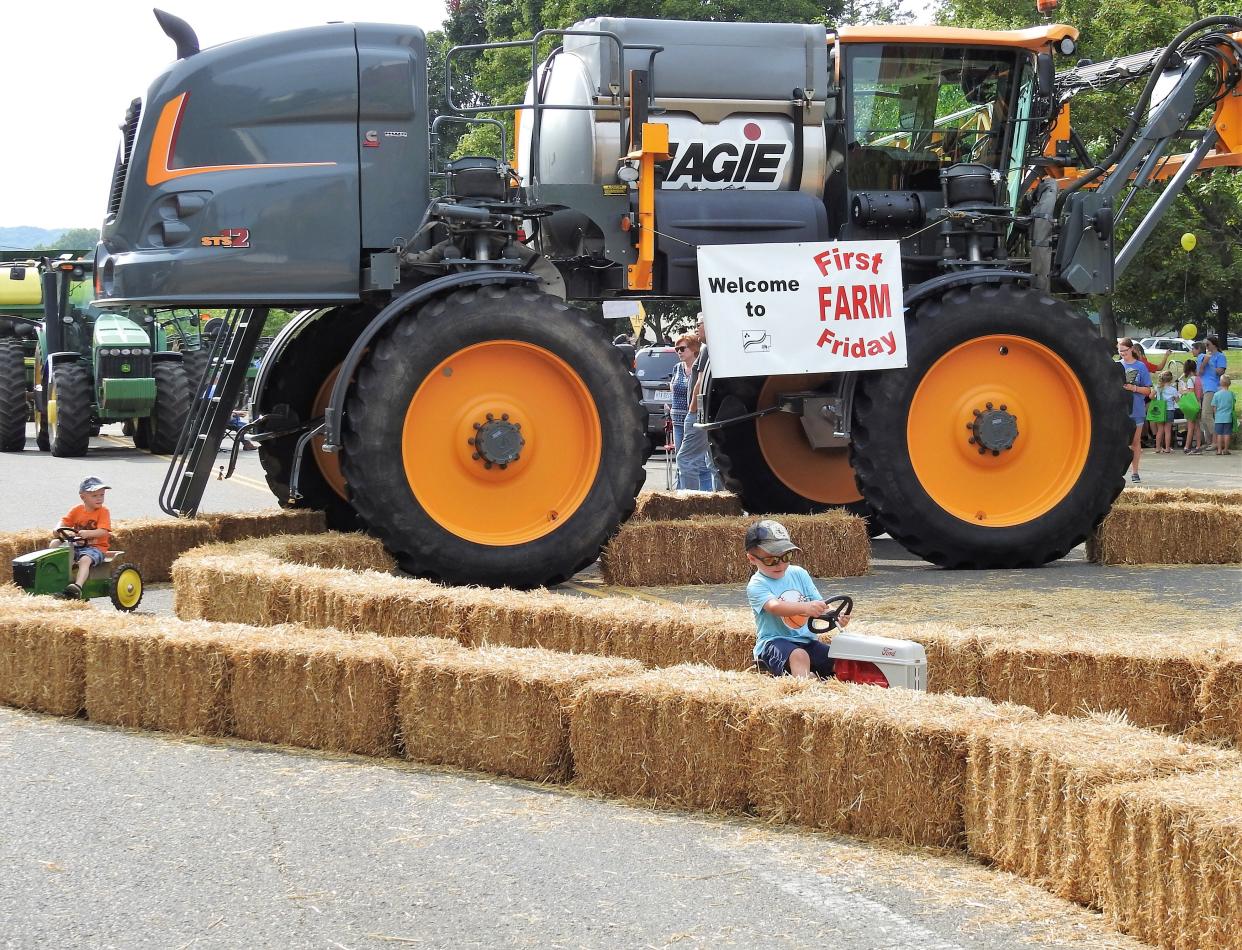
(771, 536)
(92, 483)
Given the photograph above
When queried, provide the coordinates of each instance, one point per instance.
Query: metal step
(214, 397)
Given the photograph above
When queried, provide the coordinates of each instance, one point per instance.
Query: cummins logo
(707, 164)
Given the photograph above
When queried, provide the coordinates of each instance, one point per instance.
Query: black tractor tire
(14, 409)
(745, 468)
(141, 431)
(583, 419)
(294, 386)
(172, 407)
(72, 389)
(1063, 469)
(195, 363)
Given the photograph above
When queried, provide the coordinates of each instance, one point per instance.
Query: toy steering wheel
(68, 534)
(829, 621)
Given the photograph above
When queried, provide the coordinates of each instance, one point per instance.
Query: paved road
(113, 838)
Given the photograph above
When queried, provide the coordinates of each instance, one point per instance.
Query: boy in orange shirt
(93, 526)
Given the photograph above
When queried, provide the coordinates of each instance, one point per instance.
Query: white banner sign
(772, 309)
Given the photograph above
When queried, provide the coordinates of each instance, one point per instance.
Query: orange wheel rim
(822, 475)
(473, 414)
(1011, 381)
(328, 463)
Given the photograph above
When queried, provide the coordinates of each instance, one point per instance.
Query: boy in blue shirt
(784, 598)
(1223, 401)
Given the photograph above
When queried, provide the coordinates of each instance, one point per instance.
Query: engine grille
(129, 129)
(110, 367)
(24, 574)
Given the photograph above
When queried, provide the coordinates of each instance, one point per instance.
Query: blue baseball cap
(92, 483)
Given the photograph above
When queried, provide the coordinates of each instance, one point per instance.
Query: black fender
(167, 356)
(396, 309)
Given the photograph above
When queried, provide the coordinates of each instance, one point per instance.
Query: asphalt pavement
(118, 838)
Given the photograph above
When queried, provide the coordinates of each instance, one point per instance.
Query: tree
(75, 239)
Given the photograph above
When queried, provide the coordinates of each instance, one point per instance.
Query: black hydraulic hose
(1140, 107)
(799, 117)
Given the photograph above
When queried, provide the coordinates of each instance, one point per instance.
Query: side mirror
(1045, 75)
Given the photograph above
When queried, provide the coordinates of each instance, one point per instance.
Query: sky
(56, 162)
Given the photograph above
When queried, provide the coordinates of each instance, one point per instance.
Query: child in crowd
(1167, 393)
(1137, 382)
(784, 598)
(92, 524)
(1190, 401)
(1223, 402)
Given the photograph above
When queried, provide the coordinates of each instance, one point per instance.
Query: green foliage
(75, 239)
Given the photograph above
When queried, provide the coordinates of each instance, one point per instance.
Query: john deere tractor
(90, 366)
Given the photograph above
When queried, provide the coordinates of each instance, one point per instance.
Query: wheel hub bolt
(993, 430)
(497, 441)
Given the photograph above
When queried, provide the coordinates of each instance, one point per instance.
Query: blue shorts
(775, 656)
(1224, 428)
(96, 555)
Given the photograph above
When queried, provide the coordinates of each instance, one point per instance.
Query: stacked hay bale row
(1170, 526)
(672, 505)
(1031, 794)
(155, 543)
(708, 550)
(1191, 681)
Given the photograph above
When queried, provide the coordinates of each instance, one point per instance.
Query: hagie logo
(703, 164)
(229, 237)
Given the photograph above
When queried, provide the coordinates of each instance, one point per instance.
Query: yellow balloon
(1189, 241)
(1189, 331)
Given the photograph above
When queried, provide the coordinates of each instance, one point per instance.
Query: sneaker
(72, 592)
(1135, 477)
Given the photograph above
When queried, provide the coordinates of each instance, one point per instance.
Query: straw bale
(496, 709)
(676, 735)
(1167, 858)
(1219, 704)
(954, 653)
(1209, 496)
(318, 691)
(41, 657)
(1029, 787)
(870, 762)
(1155, 678)
(709, 550)
(235, 526)
(16, 543)
(1168, 533)
(154, 543)
(672, 505)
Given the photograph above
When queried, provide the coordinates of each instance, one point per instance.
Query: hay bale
(674, 505)
(320, 691)
(1168, 533)
(675, 735)
(709, 550)
(497, 709)
(1029, 786)
(1207, 496)
(1219, 703)
(155, 543)
(870, 762)
(954, 653)
(236, 526)
(1167, 858)
(42, 657)
(1154, 677)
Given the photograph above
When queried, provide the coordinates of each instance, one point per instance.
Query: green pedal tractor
(51, 570)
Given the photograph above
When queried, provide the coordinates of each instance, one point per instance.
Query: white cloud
(69, 75)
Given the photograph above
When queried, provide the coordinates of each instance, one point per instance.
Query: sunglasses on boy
(771, 560)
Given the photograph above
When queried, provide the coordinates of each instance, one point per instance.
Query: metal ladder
(214, 397)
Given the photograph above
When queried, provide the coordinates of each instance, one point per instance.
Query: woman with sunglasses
(687, 348)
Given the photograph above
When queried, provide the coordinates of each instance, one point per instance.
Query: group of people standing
(695, 469)
(1201, 393)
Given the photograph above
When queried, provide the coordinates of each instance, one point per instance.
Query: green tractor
(92, 366)
(21, 313)
(49, 572)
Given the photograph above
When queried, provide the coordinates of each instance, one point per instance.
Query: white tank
(726, 91)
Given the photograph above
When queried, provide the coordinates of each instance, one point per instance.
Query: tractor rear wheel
(172, 407)
(70, 401)
(13, 407)
(195, 363)
(300, 387)
(125, 587)
(497, 438)
(1005, 440)
(768, 462)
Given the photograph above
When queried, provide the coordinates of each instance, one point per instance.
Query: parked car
(1233, 342)
(654, 367)
(1156, 346)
